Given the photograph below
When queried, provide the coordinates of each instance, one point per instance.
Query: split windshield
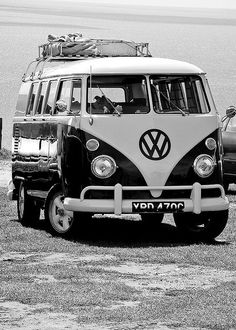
(117, 94)
(128, 95)
(175, 94)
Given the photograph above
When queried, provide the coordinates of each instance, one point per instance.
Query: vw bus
(118, 132)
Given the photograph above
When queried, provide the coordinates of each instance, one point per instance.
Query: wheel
(27, 209)
(152, 219)
(204, 226)
(59, 221)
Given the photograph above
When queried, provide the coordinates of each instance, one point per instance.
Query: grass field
(115, 275)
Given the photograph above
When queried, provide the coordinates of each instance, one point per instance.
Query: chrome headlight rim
(195, 165)
(101, 158)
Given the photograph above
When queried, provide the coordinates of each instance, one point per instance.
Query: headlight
(103, 167)
(204, 165)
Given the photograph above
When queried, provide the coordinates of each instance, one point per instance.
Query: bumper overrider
(195, 204)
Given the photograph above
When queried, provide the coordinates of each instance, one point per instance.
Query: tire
(27, 209)
(204, 226)
(152, 219)
(60, 222)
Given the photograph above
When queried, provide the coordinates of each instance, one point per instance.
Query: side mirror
(230, 113)
(61, 106)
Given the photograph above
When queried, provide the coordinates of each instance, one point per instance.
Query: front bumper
(118, 205)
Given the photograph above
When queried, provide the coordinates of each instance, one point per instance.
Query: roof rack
(94, 47)
(84, 49)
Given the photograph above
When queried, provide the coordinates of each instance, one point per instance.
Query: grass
(117, 276)
(5, 154)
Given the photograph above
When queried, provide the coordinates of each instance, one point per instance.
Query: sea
(206, 38)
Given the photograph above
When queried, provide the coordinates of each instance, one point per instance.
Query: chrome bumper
(118, 205)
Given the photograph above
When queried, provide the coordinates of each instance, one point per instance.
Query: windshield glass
(117, 95)
(178, 94)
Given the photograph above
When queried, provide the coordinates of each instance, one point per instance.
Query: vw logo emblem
(154, 144)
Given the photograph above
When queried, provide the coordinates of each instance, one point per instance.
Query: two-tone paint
(49, 150)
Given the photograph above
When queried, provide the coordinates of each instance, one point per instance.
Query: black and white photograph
(118, 165)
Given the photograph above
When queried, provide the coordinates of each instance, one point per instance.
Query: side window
(32, 99)
(50, 97)
(76, 96)
(42, 93)
(23, 98)
(63, 98)
(201, 96)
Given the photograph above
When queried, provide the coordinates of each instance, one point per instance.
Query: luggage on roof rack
(93, 47)
(74, 47)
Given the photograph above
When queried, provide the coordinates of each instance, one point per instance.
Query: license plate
(139, 207)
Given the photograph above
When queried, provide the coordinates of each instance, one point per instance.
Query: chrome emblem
(154, 144)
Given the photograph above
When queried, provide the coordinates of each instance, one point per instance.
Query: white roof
(122, 65)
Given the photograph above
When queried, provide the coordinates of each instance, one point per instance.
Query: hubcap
(61, 219)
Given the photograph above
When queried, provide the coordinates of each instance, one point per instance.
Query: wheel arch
(56, 187)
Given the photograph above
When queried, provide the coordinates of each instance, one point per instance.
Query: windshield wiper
(172, 103)
(116, 111)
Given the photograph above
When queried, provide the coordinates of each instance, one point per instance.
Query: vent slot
(16, 140)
